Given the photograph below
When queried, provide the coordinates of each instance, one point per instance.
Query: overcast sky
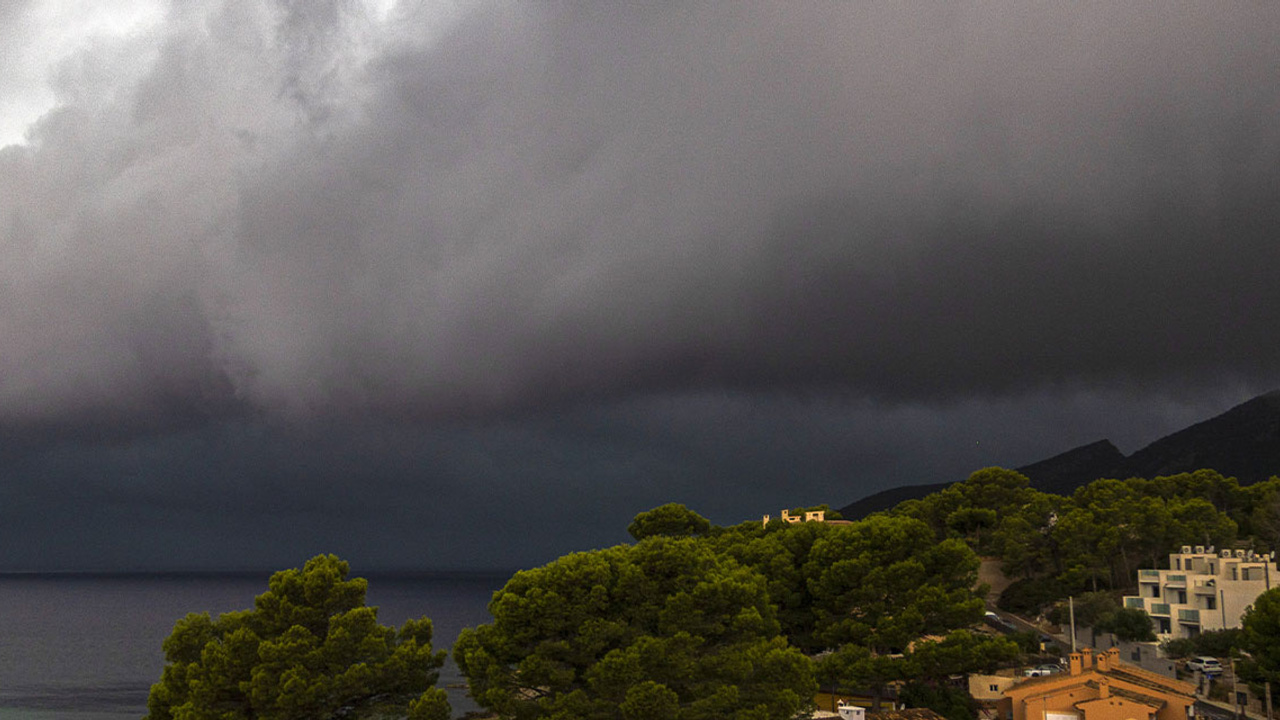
(470, 284)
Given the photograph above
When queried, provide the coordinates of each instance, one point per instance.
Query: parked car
(1042, 670)
(1205, 664)
(999, 623)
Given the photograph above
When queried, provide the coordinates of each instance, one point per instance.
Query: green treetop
(666, 629)
(672, 520)
(1260, 636)
(884, 582)
(310, 649)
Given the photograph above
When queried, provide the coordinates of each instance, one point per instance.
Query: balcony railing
(1189, 616)
(1159, 608)
(1148, 575)
(1134, 602)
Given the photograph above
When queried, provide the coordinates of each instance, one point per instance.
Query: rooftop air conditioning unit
(1199, 549)
(1186, 549)
(1240, 554)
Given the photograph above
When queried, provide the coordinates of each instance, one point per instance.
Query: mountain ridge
(1243, 442)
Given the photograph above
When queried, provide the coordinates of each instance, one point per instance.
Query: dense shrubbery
(1215, 643)
(951, 703)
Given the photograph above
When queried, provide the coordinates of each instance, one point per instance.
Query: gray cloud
(299, 209)
(292, 277)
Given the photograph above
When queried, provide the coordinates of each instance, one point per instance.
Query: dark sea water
(88, 647)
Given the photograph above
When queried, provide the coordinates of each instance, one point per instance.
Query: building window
(1178, 563)
(995, 688)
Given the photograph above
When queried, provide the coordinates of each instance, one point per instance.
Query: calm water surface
(88, 647)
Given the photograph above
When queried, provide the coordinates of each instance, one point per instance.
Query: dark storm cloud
(513, 493)
(301, 209)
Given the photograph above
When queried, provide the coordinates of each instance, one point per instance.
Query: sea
(89, 646)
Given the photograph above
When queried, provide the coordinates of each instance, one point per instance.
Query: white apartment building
(1203, 590)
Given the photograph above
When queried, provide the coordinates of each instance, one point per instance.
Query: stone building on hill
(809, 516)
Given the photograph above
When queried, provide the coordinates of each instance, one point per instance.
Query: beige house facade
(990, 688)
(1202, 590)
(1098, 687)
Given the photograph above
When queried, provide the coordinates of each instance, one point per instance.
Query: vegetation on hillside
(1099, 536)
(695, 621)
(699, 621)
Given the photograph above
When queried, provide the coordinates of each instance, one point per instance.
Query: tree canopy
(310, 649)
(1100, 535)
(927, 661)
(1128, 625)
(881, 582)
(1260, 635)
(666, 629)
(884, 582)
(672, 520)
